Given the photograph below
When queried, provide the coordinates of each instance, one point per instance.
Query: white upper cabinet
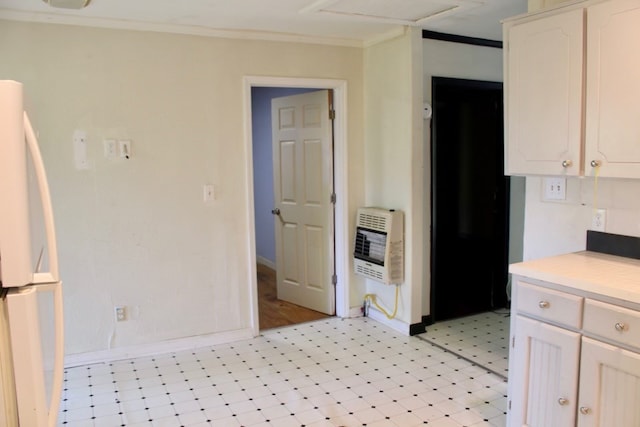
(544, 63)
(572, 91)
(613, 89)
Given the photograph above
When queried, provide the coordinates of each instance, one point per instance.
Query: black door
(469, 199)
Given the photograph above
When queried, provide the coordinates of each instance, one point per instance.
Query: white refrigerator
(31, 323)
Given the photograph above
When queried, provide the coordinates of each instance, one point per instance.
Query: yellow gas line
(371, 298)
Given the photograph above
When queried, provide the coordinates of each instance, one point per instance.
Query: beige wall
(136, 232)
(393, 155)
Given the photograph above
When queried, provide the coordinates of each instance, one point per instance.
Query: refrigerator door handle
(32, 143)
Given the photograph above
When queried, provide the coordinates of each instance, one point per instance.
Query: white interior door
(303, 212)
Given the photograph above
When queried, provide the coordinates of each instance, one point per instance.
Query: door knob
(275, 211)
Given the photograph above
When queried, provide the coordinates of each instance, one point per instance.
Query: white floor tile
(335, 372)
(482, 338)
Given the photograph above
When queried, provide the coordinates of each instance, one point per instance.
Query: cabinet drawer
(547, 304)
(612, 322)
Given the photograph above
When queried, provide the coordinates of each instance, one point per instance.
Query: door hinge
(333, 198)
(332, 114)
(513, 342)
(334, 280)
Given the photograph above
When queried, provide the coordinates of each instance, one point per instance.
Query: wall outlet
(554, 188)
(121, 313)
(599, 219)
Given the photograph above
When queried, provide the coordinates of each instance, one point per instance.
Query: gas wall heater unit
(379, 247)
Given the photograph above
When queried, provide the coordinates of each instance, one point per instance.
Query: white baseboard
(394, 324)
(169, 346)
(267, 262)
(356, 311)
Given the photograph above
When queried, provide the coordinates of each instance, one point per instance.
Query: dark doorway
(469, 199)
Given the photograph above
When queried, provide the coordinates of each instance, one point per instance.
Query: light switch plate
(124, 147)
(80, 149)
(110, 148)
(208, 193)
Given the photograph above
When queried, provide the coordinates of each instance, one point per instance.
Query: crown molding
(389, 35)
(118, 24)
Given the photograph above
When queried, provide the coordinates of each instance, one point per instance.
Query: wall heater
(379, 246)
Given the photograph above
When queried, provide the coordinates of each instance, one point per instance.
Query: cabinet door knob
(544, 304)
(595, 163)
(275, 211)
(584, 410)
(563, 401)
(620, 327)
(566, 163)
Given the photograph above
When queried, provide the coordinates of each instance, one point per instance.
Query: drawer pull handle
(562, 401)
(567, 163)
(585, 410)
(543, 304)
(620, 327)
(595, 163)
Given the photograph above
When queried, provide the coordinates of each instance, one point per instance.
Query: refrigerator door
(8, 407)
(36, 328)
(27, 234)
(15, 243)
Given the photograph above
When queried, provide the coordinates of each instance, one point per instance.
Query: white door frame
(341, 225)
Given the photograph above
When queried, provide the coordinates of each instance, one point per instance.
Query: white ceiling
(348, 22)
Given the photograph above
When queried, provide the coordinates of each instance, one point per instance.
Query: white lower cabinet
(609, 386)
(568, 370)
(544, 375)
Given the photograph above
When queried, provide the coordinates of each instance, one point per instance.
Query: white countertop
(592, 272)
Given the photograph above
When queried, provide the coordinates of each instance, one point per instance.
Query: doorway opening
(339, 225)
(469, 199)
(287, 296)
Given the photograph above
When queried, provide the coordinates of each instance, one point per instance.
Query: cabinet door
(544, 82)
(613, 89)
(543, 385)
(609, 386)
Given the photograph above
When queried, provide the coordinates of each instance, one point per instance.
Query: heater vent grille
(379, 245)
(372, 221)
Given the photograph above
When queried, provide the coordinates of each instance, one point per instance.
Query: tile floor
(334, 372)
(482, 338)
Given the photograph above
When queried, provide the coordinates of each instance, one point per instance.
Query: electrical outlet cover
(599, 220)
